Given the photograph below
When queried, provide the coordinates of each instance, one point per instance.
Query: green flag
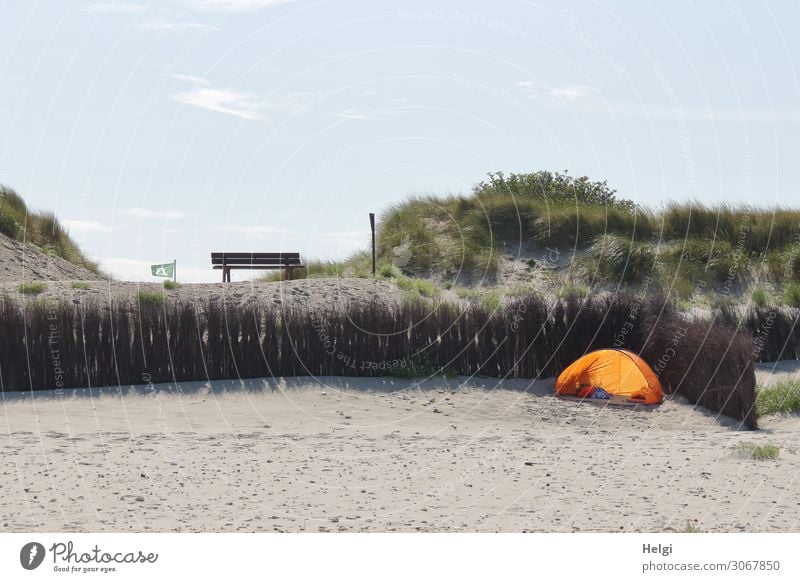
(165, 270)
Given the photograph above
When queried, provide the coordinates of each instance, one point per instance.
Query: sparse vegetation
(791, 294)
(759, 296)
(467, 293)
(765, 452)
(782, 397)
(622, 260)
(418, 368)
(690, 527)
(171, 285)
(359, 265)
(145, 297)
(389, 271)
(491, 300)
(79, 285)
(423, 287)
(32, 288)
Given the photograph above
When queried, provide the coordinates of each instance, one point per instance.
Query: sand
(21, 261)
(382, 455)
(301, 293)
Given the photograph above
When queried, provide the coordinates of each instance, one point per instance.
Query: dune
(381, 455)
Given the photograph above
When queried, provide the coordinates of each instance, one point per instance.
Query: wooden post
(372, 226)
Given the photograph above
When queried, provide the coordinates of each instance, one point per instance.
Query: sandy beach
(383, 455)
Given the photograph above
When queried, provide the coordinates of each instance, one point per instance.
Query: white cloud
(355, 113)
(166, 26)
(190, 79)
(242, 105)
(113, 7)
(536, 89)
(86, 227)
(146, 213)
(569, 92)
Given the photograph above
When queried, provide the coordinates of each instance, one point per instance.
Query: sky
(162, 131)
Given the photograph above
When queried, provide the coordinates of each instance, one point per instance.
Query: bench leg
(226, 275)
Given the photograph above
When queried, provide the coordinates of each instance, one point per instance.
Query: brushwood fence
(775, 330)
(63, 345)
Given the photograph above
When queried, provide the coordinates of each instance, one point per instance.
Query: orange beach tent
(618, 372)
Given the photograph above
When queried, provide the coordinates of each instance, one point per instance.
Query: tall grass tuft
(42, 229)
(791, 294)
(622, 260)
(782, 397)
(32, 288)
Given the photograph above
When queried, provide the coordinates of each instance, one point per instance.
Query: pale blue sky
(161, 130)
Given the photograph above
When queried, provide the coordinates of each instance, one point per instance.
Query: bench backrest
(266, 259)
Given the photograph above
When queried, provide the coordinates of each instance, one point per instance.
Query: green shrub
(427, 288)
(525, 290)
(765, 452)
(389, 271)
(490, 300)
(419, 367)
(759, 296)
(782, 397)
(145, 297)
(32, 288)
(467, 293)
(683, 288)
(691, 528)
(80, 285)
(423, 287)
(622, 260)
(171, 285)
(574, 290)
(791, 294)
(550, 187)
(8, 226)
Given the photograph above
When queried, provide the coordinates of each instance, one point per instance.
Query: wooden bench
(227, 261)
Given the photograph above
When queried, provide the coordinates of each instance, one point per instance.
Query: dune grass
(79, 285)
(687, 249)
(765, 452)
(32, 288)
(358, 265)
(42, 229)
(759, 296)
(171, 285)
(782, 397)
(791, 294)
(422, 287)
(691, 528)
(683, 244)
(146, 297)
